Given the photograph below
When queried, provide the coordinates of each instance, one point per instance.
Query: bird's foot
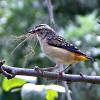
(61, 72)
(45, 69)
(38, 69)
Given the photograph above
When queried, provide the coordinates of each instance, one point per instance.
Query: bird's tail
(85, 57)
(90, 58)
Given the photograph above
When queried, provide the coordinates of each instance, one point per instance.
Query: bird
(57, 48)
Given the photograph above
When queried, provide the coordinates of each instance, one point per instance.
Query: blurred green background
(76, 20)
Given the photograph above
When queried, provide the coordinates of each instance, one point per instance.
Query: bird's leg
(44, 69)
(65, 69)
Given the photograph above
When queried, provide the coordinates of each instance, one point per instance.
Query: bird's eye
(31, 31)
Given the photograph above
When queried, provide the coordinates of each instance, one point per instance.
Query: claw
(81, 74)
(36, 68)
(60, 73)
(39, 69)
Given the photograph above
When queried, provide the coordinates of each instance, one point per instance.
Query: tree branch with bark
(11, 72)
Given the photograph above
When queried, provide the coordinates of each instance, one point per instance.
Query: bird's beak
(31, 32)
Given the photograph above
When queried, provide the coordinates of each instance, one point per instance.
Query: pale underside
(58, 55)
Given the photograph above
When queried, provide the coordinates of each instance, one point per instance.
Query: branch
(11, 72)
(50, 9)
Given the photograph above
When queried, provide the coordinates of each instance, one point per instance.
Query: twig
(66, 86)
(98, 22)
(67, 90)
(50, 9)
(98, 34)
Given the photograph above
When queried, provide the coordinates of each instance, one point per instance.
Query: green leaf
(51, 94)
(12, 83)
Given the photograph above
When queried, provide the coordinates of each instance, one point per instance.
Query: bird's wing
(60, 42)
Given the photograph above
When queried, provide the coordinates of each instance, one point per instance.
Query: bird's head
(42, 31)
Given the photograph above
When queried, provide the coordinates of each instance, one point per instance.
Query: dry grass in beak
(28, 37)
(19, 38)
(30, 48)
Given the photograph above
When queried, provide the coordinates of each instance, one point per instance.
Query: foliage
(86, 25)
(40, 92)
(76, 21)
(84, 36)
(7, 85)
(51, 95)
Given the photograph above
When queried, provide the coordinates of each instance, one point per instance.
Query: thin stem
(50, 9)
(65, 84)
(67, 91)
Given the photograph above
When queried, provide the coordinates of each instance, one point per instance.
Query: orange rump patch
(79, 57)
